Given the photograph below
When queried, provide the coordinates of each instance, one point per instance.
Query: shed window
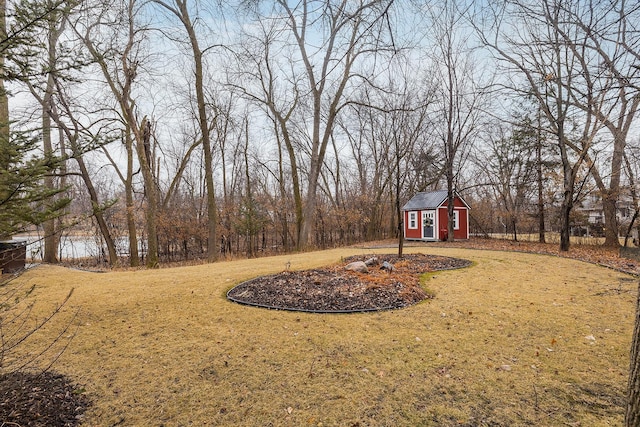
(413, 220)
(456, 220)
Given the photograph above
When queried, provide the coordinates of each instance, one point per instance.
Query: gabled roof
(428, 200)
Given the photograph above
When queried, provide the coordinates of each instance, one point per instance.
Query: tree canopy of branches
(268, 86)
(570, 59)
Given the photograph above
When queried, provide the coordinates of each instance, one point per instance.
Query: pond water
(73, 247)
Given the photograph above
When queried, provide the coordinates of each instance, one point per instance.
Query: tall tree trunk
(609, 202)
(634, 198)
(540, 181)
(62, 183)
(450, 201)
(568, 185)
(4, 99)
(565, 211)
(283, 196)
(295, 178)
(400, 225)
(51, 237)
(134, 256)
(142, 140)
(97, 208)
(632, 415)
(4, 103)
(610, 198)
(308, 216)
(212, 208)
(619, 130)
(317, 160)
(181, 11)
(121, 88)
(249, 209)
(318, 148)
(127, 181)
(610, 194)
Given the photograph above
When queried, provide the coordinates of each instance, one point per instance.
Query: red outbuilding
(426, 214)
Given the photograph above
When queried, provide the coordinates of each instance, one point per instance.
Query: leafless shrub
(20, 322)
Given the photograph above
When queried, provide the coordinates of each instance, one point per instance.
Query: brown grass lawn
(516, 339)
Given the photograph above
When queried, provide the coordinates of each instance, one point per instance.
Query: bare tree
(119, 66)
(459, 96)
(4, 99)
(631, 170)
(18, 324)
(279, 103)
(55, 106)
(632, 413)
(606, 85)
(408, 130)
(329, 40)
(540, 178)
(389, 130)
(180, 8)
(595, 86)
(366, 127)
(509, 164)
(126, 178)
(538, 62)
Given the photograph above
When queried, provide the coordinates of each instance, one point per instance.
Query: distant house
(591, 222)
(426, 214)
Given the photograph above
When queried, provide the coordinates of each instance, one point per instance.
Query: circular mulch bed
(336, 290)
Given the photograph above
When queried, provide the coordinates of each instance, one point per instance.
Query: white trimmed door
(428, 224)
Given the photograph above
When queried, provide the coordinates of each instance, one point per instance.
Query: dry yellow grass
(516, 339)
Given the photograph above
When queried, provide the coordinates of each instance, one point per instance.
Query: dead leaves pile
(600, 255)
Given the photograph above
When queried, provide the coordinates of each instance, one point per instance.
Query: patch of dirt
(334, 289)
(40, 400)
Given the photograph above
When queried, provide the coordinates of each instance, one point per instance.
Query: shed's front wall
(413, 224)
(410, 232)
(463, 218)
(462, 232)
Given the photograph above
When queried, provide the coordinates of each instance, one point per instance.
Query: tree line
(192, 130)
